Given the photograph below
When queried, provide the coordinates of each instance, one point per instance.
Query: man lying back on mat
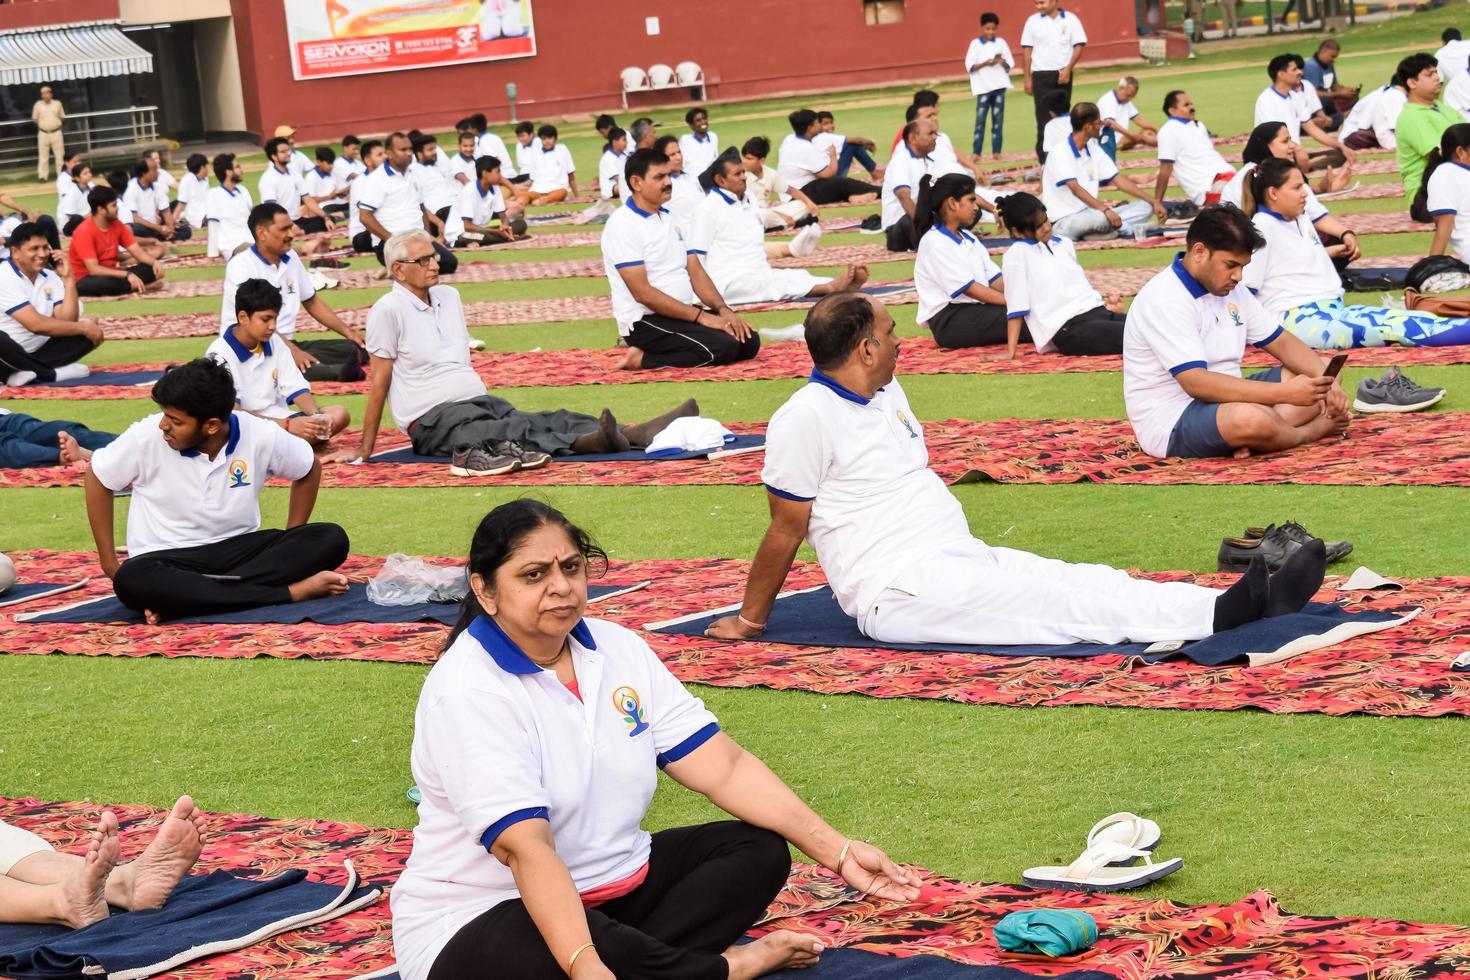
(196, 470)
(41, 886)
(846, 467)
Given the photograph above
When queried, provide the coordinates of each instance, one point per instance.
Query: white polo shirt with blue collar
(948, 264)
(800, 160)
(229, 209)
(185, 499)
(633, 236)
(1272, 106)
(1051, 39)
(289, 275)
(877, 507)
(904, 171)
(1176, 325)
(284, 187)
(699, 153)
(393, 199)
(1089, 168)
(1186, 143)
(498, 741)
(1293, 268)
(17, 291)
(1046, 286)
(267, 380)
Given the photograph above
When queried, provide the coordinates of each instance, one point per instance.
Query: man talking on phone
(1183, 344)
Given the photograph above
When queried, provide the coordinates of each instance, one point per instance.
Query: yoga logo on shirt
(1234, 312)
(626, 700)
(913, 432)
(239, 473)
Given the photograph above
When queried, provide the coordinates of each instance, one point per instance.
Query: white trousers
(771, 217)
(975, 594)
(768, 285)
(16, 844)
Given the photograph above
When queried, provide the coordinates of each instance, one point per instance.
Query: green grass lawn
(1335, 815)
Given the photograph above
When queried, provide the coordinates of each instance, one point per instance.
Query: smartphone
(1334, 366)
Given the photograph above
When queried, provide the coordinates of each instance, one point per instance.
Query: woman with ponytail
(1268, 140)
(1447, 176)
(1294, 278)
(1047, 291)
(537, 744)
(961, 294)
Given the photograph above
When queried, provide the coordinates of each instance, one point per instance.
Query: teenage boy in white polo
(989, 61)
(730, 240)
(196, 470)
(282, 183)
(41, 337)
(1073, 175)
(390, 202)
(847, 469)
(908, 165)
(662, 298)
(1188, 154)
(267, 381)
(481, 203)
(1051, 45)
(1182, 347)
(700, 145)
(271, 259)
(553, 172)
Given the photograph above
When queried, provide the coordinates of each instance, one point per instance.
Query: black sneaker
(873, 222)
(328, 263)
(1394, 392)
(810, 219)
(474, 461)
(529, 457)
(1275, 544)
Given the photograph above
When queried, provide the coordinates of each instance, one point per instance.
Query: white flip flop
(1103, 868)
(1127, 829)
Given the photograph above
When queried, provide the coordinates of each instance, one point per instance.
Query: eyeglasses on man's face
(423, 260)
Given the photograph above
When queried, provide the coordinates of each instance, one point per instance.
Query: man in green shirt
(1423, 119)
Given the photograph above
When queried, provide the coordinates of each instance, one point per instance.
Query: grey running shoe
(530, 457)
(1394, 392)
(474, 461)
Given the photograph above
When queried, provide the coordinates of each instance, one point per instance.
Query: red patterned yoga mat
(1141, 938)
(1399, 672)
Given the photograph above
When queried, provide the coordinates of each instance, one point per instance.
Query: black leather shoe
(1336, 550)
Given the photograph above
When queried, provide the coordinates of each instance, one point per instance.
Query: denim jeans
(28, 441)
(994, 105)
(850, 152)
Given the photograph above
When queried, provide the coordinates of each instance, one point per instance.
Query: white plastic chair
(691, 76)
(635, 79)
(660, 76)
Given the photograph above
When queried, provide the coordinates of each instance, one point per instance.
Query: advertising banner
(350, 37)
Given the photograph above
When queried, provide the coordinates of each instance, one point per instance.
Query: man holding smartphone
(41, 335)
(1182, 348)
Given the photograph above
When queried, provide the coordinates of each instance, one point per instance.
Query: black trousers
(706, 887)
(1098, 331)
(112, 285)
(340, 360)
(835, 190)
(666, 342)
(900, 235)
(252, 570)
(47, 224)
(448, 263)
(311, 224)
(971, 325)
(1043, 84)
(45, 359)
(71, 224)
(362, 242)
(182, 233)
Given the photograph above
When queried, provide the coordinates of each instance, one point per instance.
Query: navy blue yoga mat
(106, 378)
(205, 914)
(354, 607)
(407, 455)
(25, 591)
(814, 619)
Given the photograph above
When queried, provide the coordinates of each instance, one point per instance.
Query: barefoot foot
(639, 436)
(71, 452)
(81, 898)
(632, 361)
(319, 586)
(175, 848)
(782, 950)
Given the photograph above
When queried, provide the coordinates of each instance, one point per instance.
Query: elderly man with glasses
(419, 344)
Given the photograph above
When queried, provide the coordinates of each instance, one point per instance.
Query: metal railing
(86, 132)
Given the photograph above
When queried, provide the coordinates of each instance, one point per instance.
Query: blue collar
(389, 170)
(503, 650)
(14, 268)
(725, 197)
(1458, 164)
(485, 192)
(285, 257)
(278, 168)
(241, 351)
(1190, 282)
(819, 378)
(230, 445)
(1076, 152)
(698, 138)
(637, 210)
(467, 159)
(1265, 210)
(1184, 119)
(957, 239)
(232, 193)
(1278, 94)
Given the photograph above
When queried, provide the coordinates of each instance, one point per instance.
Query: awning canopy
(75, 51)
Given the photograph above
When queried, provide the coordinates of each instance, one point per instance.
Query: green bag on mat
(1051, 932)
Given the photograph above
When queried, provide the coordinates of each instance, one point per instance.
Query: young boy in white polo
(267, 381)
(553, 173)
(481, 203)
(196, 470)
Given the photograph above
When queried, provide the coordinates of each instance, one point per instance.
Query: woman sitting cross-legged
(961, 293)
(1294, 278)
(537, 743)
(1047, 291)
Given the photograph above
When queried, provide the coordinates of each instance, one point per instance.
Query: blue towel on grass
(407, 455)
(205, 915)
(354, 607)
(105, 378)
(815, 619)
